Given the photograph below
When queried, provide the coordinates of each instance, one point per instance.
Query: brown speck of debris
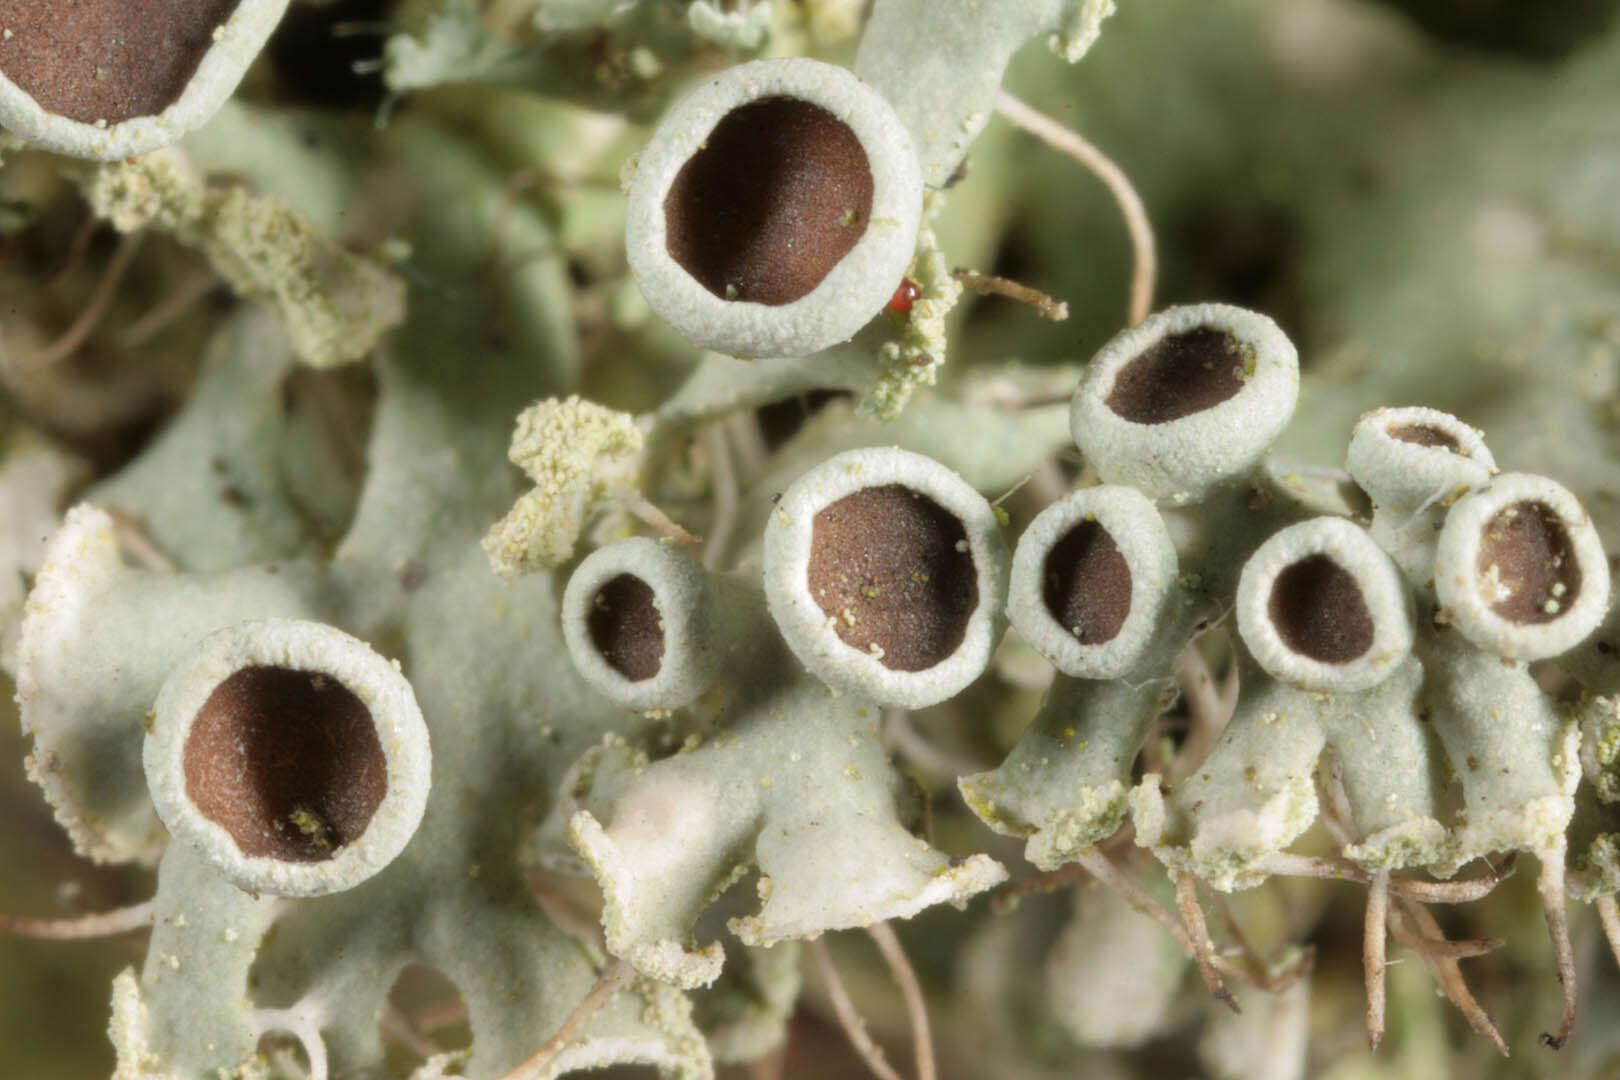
(1319, 612)
(1179, 375)
(892, 569)
(1424, 435)
(1526, 561)
(779, 192)
(107, 60)
(288, 762)
(626, 627)
(1088, 584)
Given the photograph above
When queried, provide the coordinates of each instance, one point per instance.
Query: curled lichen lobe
(778, 194)
(893, 572)
(1526, 565)
(627, 628)
(1087, 584)
(1318, 611)
(287, 762)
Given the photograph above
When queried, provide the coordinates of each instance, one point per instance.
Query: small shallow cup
(1186, 401)
(109, 79)
(291, 755)
(1091, 578)
(1323, 608)
(1520, 570)
(1407, 458)
(775, 210)
(887, 574)
(642, 625)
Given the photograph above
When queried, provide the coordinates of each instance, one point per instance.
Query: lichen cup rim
(237, 42)
(1140, 536)
(685, 601)
(853, 291)
(1184, 459)
(298, 645)
(809, 631)
(1456, 577)
(1383, 590)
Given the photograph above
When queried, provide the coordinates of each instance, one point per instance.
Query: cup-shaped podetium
(887, 575)
(775, 210)
(1323, 608)
(291, 755)
(1186, 401)
(644, 625)
(1520, 569)
(1092, 577)
(108, 79)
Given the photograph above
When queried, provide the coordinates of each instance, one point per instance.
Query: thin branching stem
(848, 1018)
(1144, 269)
(1069, 874)
(81, 927)
(905, 977)
(614, 976)
(1192, 917)
(90, 317)
(1444, 968)
(1335, 868)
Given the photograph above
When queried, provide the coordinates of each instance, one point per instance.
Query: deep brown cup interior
(1179, 375)
(776, 196)
(106, 60)
(627, 627)
(1317, 609)
(1527, 561)
(892, 569)
(1087, 584)
(288, 762)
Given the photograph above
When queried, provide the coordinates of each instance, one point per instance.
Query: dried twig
(1550, 884)
(911, 990)
(1192, 917)
(1443, 968)
(991, 285)
(1011, 895)
(1054, 134)
(848, 1018)
(1373, 940)
(1609, 913)
(100, 300)
(614, 976)
(651, 516)
(81, 927)
(1335, 868)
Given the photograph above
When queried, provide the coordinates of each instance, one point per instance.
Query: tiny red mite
(904, 296)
